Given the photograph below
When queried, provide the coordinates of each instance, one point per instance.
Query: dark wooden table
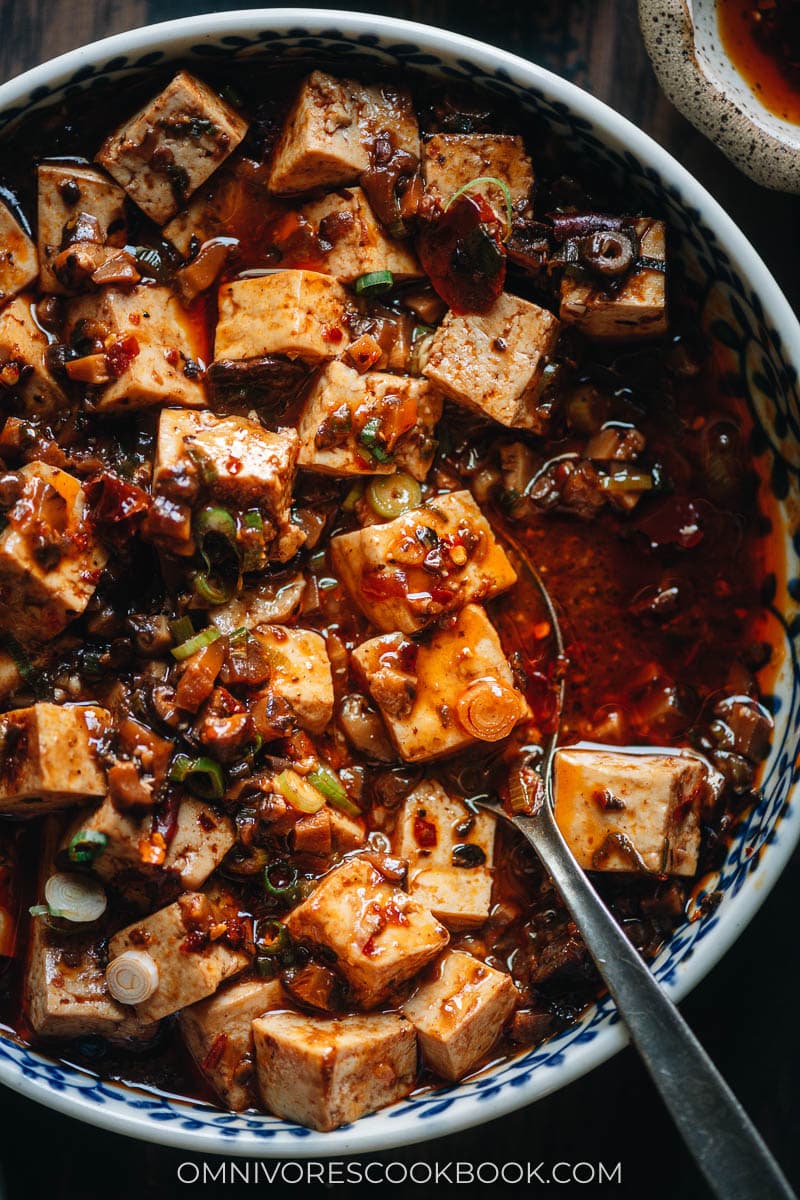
(745, 1013)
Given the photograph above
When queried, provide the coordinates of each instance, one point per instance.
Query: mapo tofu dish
(299, 376)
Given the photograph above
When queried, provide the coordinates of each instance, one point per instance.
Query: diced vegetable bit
(202, 776)
(393, 495)
(87, 845)
(300, 792)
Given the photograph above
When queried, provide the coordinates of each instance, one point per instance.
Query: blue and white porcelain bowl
(758, 338)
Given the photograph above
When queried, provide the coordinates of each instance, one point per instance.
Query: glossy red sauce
(762, 38)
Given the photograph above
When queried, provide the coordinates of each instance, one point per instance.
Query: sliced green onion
(353, 496)
(301, 794)
(369, 438)
(474, 183)
(42, 910)
(202, 776)
(76, 898)
(375, 283)
(214, 520)
(285, 890)
(332, 788)
(253, 519)
(239, 635)
(181, 629)
(87, 845)
(392, 495)
(276, 939)
(204, 638)
(211, 589)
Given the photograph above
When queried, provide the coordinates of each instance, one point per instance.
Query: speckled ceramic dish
(702, 82)
(757, 340)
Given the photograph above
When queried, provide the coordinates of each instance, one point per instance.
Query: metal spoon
(723, 1141)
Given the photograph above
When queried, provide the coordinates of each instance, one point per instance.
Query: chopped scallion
(204, 638)
(374, 283)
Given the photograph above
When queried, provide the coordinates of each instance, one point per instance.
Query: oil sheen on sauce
(762, 39)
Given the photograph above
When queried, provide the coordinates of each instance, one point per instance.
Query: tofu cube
(425, 692)
(50, 757)
(381, 566)
(190, 966)
(451, 160)
(19, 263)
(67, 191)
(492, 362)
(171, 146)
(300, 673)
(23, 366)
(386, 108)
(398, 411)
(345, 221)
(459, 1013)
(346, 833)
(43, 589)
(236, 461)
(324, 1073)
(296, 313)
(124, 833)
(153, 344)
(201, 840)
(379, 935)
(322, 143)
(218, 1033)
(65, 994)
(637, 310)
(450, 855)
(234, 202)
(630, 812)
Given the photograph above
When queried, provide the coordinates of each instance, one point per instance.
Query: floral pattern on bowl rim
(751, 325)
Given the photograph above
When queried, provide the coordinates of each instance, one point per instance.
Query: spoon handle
(725, 1144)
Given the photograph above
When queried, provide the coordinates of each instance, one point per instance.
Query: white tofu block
(19, 263)
(171, 146)
(65, 192)
(379, 934)
(43, 589)
(300, 673)
(492, 362)
(201, 840)
(359, 244)
(296, 313)
(450, 855)
(322, 143)
(402, 413)
(381, 566)
(159, 363)
(459, 1013)
(420, 689)
(325, 1073)
(50, 757)
(65, 993)
(452, 160)
(234, 202)
(188, 969)
(637, 310)
(384, 107)
(218, 1033)
(629, 812)
(23, 368)
(246, 465)
(124, 833)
